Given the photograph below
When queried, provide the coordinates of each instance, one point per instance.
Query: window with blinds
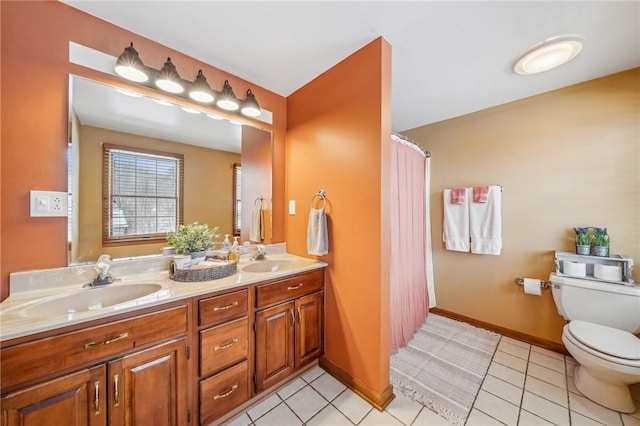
(142, 194)
(237, 199)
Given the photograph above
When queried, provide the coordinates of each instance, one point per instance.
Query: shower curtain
(411, 266)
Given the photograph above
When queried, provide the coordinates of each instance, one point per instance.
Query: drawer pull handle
(225, 307)
(226, 345)
(106, 342)
(295, 287)
(96, 401)
(227, 392)
(116, 393)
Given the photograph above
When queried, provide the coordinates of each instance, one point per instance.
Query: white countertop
(16, 320)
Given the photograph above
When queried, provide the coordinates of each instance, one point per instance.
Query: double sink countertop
(33, 311)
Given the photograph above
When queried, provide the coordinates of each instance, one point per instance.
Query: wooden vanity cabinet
(289, 326)
(132, 370)
(224, 342)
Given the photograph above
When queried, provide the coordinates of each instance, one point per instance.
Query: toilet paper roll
(607, 272)
(576, 269)
(532, 286)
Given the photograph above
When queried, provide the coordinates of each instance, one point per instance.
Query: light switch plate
(49, 204)
(292, 207)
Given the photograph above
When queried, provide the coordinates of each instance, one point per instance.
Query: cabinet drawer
(40, 358)
(214, 310)
(223, 392)
(288, 289)
(223, 346)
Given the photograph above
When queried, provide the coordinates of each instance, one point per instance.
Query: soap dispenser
(226, 244)
(235, 244)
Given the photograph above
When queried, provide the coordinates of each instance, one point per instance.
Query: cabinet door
(309, 328)
(72, 400)
(148, 387)
(274, 344)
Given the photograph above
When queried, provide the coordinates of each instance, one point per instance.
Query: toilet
(599, 336)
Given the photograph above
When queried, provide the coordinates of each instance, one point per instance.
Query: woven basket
(204, 274)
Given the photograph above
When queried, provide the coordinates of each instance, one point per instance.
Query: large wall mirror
(211, 148)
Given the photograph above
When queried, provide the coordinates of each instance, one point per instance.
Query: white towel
(456, 223)
(256, 228)
(485, 223)
(317, 233)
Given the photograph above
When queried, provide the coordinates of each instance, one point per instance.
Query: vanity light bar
(130, 67)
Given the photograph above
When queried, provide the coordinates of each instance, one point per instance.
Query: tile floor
(525, 385)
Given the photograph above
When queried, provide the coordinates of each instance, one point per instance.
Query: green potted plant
(583, 239)
(600, 242)
(192, 238)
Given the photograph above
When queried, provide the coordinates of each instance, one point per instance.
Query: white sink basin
(273, 265)
(90, 299)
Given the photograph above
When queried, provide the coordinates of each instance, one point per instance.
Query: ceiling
(449, 58)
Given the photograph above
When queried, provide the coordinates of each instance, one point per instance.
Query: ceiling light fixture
(227, 98)
(250, 106)
(130, 66)
(549, 54)
(168, 78)
(200, 90)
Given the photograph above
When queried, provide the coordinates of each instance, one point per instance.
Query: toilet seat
(607, 343)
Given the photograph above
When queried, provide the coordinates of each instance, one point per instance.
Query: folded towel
(456, 223)
(317, 233)
(480, 193)
(485, 223)
(457, 195)
(256, 227)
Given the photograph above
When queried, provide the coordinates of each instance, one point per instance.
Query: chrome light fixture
(250, 107)
(168, 78)
(227, 98)
(130, 66)
(549, 54)
(200, 90)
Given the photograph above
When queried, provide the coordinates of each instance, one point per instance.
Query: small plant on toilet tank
(600, 242)
(583, 240)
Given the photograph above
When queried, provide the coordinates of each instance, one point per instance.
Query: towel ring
(321, 194)
(258, 202)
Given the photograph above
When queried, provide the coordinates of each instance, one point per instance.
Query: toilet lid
(611, 341)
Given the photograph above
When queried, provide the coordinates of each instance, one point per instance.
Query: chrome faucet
(260, 254)
(102, 267)
(259, 251)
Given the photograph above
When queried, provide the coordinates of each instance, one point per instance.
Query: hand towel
(256, 227)
(317, 233)
(485, 223)
(457, 195)
(456, 223)
(480, 193)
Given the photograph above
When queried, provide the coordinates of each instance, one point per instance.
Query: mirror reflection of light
(161, 102)
(190, 110)
(129, 93)
(237, 123)
(215, 117)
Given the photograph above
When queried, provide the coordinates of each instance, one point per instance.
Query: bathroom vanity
(191, 356)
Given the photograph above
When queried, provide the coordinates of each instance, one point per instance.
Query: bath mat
(443, 366)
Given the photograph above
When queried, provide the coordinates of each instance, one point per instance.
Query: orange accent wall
(338, 131)
(34, 74)
(566, 158)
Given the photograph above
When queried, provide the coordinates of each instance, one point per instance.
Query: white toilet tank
(613, 305)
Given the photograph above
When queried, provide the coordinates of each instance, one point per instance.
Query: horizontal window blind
(142, 194)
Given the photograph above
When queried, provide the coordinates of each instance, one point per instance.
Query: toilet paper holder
(543, 284)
